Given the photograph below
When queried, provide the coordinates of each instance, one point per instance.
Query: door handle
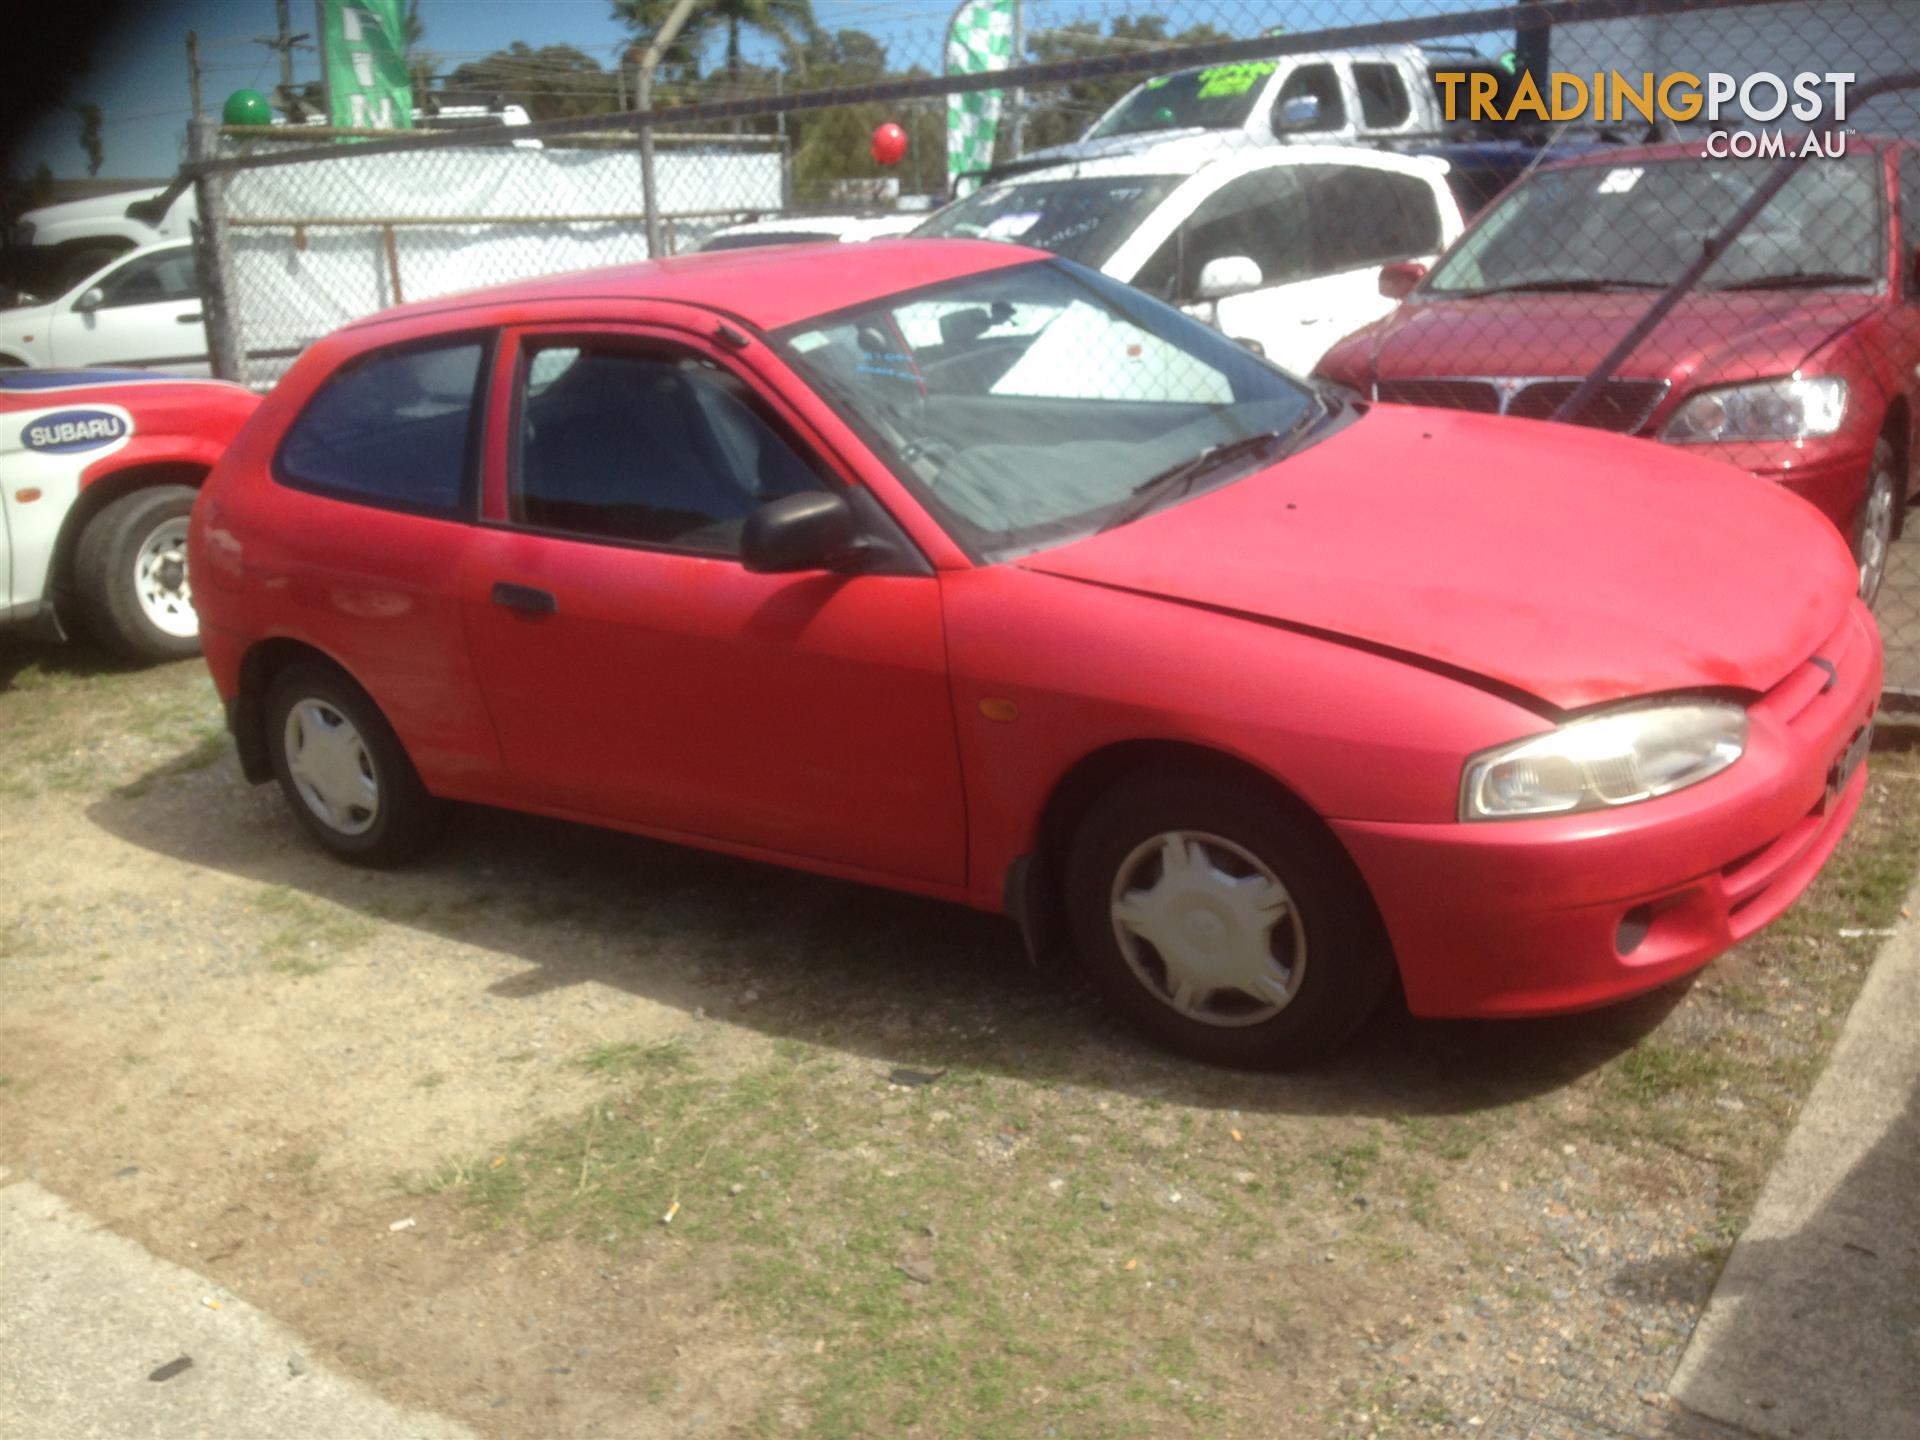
(193, 319)
(524, 597)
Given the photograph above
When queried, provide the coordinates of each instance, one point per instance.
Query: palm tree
(789, 23)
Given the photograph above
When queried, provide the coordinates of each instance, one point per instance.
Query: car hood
(1708, 339)
(1573, 567)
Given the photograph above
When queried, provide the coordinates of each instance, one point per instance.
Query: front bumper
(1531, 917)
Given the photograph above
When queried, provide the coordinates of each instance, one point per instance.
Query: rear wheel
(130, 570)
(1879, 519)
(1222, 924)
(343, 771)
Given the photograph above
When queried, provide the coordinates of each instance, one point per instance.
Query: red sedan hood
(1708, 339)
(1573, 566)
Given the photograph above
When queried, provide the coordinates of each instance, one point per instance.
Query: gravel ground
(257, 1063)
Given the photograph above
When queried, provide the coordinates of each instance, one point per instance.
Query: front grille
(1476, 395)
(1619, 405)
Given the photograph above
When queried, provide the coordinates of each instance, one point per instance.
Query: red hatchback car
(1793, 359)
(957, 568)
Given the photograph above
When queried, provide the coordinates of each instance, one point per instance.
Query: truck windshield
(1084, 220)
(1030, 405)
(1214, 97)
(1639, 225)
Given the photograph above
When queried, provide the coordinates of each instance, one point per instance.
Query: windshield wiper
(1797, 280)
(1564, 282)
(1176, 480)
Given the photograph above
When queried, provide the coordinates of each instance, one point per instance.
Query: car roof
(767, 286)
(1691, 150)
(1192, 155)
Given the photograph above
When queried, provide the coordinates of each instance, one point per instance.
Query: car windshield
(1639, 225)
(1085, 219)
(1215, 97)
(1030, 405)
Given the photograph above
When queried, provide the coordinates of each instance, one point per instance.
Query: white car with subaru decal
(98, 472)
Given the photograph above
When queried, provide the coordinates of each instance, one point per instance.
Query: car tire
(1879, 520)
(130, 575)
(1251, 891)
(343, 771)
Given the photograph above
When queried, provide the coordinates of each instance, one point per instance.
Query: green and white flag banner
(363, 49)
(979, 40)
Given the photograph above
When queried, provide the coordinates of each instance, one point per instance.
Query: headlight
(1789, 409)
(1612, 758)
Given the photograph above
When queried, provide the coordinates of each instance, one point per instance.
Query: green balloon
(246, 107)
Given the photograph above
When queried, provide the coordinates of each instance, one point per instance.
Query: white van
(1281, 245)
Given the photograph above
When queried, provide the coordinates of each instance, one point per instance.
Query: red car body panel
(1872, 340)
(1352, 622)
(1368, 535)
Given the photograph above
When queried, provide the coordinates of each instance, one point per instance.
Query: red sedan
(1793, 359)
(960, 569)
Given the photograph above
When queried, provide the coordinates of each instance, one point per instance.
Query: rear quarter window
(394, 428)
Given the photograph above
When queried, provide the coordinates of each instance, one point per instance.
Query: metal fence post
(213, 258)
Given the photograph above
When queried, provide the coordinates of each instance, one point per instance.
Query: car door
(145, 311)
(1349, 221)
(638, 673)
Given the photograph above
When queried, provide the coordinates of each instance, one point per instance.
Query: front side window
(395, 429)
(645, 447)
(1085, 219)
(1639, 226)
(1214, 97)
(1259, 215)
(151, 280)
(1320, 84)
(1030, 405)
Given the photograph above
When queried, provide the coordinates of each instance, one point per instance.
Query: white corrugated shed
(509, 214)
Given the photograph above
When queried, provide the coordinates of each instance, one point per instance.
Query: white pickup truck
(1334, 97)
(1281, 245)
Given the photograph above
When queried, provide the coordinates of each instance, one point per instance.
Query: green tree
(90, 137)
(552, 82)
(1055, 117)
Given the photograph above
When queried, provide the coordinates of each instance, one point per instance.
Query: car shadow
(77, 660)
(869, 972)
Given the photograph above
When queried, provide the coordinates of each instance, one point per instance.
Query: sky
(139, 78)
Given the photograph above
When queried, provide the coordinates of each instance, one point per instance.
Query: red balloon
(889, 143)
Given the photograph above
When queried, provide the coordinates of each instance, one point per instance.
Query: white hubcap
(1208, 929)
(331, 768)
(1876, 535)
(160, 580)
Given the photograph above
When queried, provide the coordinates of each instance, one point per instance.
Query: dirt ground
(542, 1041)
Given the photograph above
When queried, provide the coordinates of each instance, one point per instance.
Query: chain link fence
(1463, 208)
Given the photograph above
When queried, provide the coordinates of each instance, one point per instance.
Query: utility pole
(285, 42)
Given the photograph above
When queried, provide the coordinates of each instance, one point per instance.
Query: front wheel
(1224, 925)
(342, 769)
(130, 571)
(1879, 519)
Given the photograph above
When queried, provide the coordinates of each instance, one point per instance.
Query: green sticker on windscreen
(1219, 81)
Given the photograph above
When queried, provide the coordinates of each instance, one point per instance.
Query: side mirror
(1302, 112)
(1397, 281)
(1228, 275)
(814, 530)
(91, 299)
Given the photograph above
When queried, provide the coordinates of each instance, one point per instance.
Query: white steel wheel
(331, 768)
(1208, 929)
(160, 581)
